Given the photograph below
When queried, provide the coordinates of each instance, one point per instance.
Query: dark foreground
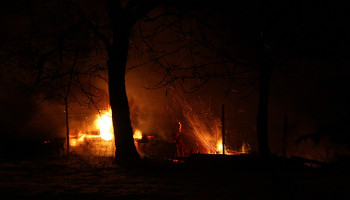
(101, 179)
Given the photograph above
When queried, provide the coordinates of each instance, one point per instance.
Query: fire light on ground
(219, 150)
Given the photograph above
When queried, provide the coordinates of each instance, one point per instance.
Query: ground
(78, 178)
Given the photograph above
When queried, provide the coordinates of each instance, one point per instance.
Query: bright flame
(105, 124)
(81, 137)
(75, 141)
(219, 147)
(94, 140)
(137, 134)
(72, 142)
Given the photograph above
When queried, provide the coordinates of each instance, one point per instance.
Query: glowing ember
(206, 129)
(105, 124)
(137, 134)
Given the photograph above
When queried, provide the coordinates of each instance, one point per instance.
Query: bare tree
(49, 59)
(107, 28)
(203, 53)
(60, 28)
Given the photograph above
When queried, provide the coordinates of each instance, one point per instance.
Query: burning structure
(96, 140)
(198, 133)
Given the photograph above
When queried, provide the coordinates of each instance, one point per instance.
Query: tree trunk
(123, 133)
(262, 117)
(126, 153)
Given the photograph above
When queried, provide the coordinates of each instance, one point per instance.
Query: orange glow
(206, 131)
(219, 147)
(137, 134)
(96, 139)
(105, 125)
(74, 141)
(245, 148)
(180, 127)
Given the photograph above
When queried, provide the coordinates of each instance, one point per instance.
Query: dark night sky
(310, 81)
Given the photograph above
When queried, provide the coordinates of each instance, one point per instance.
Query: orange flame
(219, 147)
(180, 127)
(105, 124)
(137, 134)
(77, 140)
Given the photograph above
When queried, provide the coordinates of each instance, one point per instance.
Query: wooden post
(223, 128)
(284, 137)
(67, 127)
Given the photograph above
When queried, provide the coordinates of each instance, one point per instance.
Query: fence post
(223, 128)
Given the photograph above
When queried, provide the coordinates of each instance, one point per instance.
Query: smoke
(17, 108)
(23, 117)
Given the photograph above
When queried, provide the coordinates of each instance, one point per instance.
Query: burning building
(196, 133)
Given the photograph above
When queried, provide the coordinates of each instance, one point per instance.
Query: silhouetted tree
(215, 52)
(106, 27)
(58, 28)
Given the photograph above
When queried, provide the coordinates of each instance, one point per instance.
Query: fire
(219, 147)
(137, 134)
(206, 131)
(75, 141)
(180, 127)
(105, 125)
(95, 140)
(245, 148)
(72, 142)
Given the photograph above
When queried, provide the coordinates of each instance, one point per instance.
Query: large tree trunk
(266, 63)
(126, 153)
(262, 117)
(125, 148)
